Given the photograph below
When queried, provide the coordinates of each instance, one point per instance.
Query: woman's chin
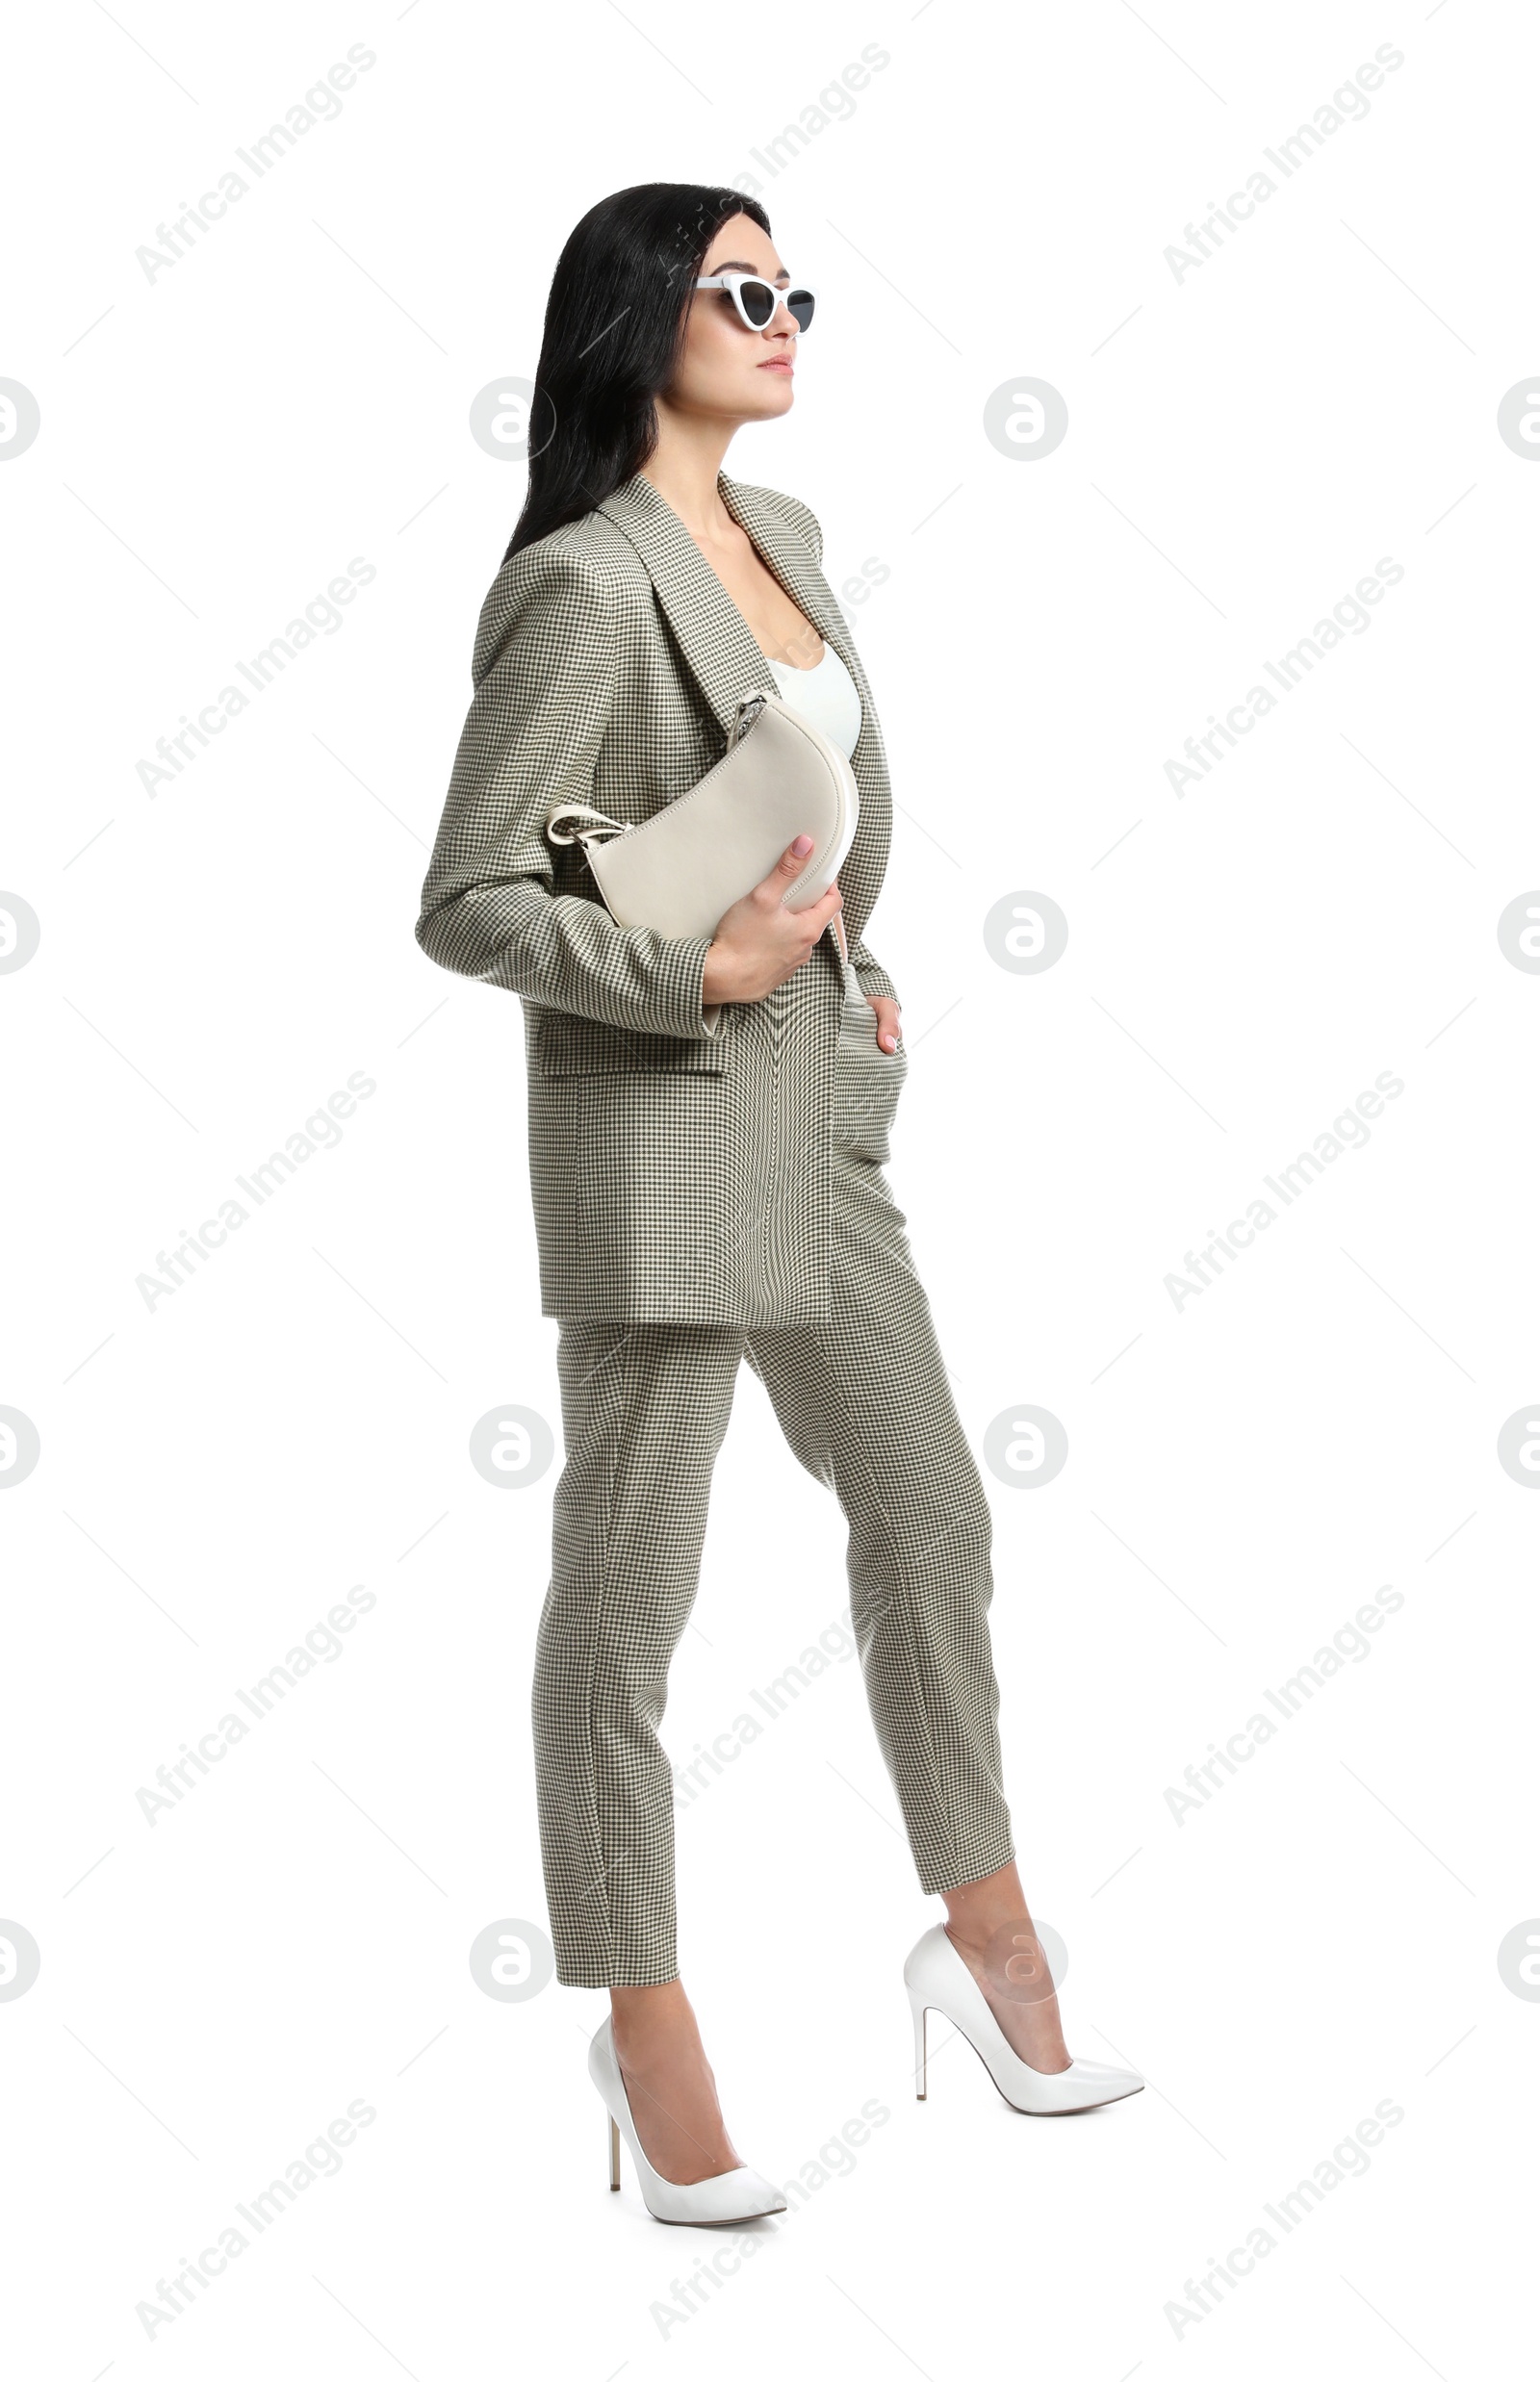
(775, 393)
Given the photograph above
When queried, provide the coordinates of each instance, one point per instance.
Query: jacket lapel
(715, 637)
(711, 631)
(791, 560)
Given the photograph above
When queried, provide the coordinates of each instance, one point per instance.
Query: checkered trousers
(865, 1401)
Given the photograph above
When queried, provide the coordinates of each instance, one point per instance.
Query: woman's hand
(760, 943)
(888, 1028)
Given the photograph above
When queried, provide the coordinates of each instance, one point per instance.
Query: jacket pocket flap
(566, 1044)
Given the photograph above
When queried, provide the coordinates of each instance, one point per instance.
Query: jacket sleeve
(544, 674)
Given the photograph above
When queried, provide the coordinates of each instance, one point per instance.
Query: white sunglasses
(756, 300)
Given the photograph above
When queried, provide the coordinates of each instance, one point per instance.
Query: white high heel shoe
(716, 2200)
(939, 1978)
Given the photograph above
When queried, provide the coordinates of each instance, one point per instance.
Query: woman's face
(725, 371)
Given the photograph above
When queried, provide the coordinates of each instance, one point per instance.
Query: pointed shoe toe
(937, 1977)
(729, 2199)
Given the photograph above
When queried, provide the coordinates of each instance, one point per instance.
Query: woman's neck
(683, 467)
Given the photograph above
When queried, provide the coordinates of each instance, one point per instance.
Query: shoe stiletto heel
(939, 1978)
(716, 2200)
(917, 2003)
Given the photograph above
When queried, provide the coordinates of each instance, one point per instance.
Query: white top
(827, 696)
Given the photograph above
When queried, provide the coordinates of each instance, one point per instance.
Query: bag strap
(750, 706)
(594, 834)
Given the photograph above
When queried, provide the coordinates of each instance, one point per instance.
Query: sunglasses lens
(799, 305)
(759, 301)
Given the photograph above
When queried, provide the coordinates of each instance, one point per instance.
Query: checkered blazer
(678, 1161)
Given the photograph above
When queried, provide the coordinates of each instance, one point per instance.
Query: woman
(709, 1121)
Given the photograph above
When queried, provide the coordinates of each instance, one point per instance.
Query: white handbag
(681, 870)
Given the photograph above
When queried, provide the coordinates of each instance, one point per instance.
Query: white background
(1245, 444)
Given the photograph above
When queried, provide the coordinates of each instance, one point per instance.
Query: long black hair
(614, 328)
